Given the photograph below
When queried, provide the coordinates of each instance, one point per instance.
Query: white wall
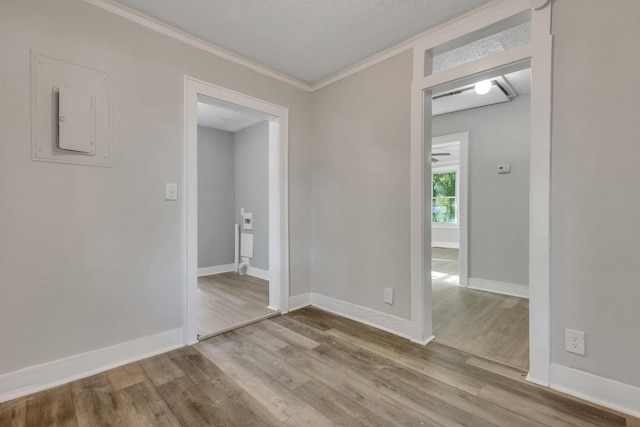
(360, 192)
(595, 209)
(91, 257)
(498, 204)
(216, 197)
(445, 237)
(251, 162)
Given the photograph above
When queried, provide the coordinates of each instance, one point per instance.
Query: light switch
(171, 191)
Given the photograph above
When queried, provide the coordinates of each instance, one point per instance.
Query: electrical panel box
(70, 113)
(76, 121)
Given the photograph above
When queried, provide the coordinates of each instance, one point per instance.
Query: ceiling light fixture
(483, 87)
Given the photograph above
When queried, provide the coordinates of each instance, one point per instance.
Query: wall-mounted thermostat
(70, 113)
(506, 168)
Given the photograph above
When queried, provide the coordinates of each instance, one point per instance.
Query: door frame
(462, 138)
(278, 197)
(539, 51)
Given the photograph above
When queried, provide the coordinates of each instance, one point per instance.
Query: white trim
(425, 341)
(258, 272)
(539, 52)
(464, 24)
(377, 319)
(40, 377)
(216, 269)
(504, 288)
(593, 388)
(297, 302)
(444, 225)
(278, 197)
(174, 33)
(461, 25)
(540, 199)
(447, 245)
(507, 57)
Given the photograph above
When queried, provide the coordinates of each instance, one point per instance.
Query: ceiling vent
(465, 97)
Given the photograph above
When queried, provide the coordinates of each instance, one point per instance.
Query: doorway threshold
(238, 326)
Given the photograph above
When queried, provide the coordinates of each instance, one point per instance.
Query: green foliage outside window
(443, 202)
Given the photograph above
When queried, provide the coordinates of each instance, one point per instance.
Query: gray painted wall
(216, 197)
(595, 179)
(498, 204)
(75, 294)
(360, 199)
(91, 257)
(252, 186)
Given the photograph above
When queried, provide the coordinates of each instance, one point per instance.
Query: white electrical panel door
(70, 113)
(76, 121)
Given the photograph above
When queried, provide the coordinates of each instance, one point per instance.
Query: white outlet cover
(574, 342)
(388, 295)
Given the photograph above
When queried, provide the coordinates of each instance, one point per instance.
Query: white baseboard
(377, 319)
(505, 288)
(40, 377)
(216, 269)
(424, 342)
(258, 272)
(299, 301)
(601, 391)
(448, 245)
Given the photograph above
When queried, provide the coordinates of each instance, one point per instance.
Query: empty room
(445, 228)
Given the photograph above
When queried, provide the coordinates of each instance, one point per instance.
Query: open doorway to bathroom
(236, 204)
(233, 216)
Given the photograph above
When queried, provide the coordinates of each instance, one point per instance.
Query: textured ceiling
(306, 39)
(214, 113)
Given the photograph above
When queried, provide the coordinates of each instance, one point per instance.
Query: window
(444, 197)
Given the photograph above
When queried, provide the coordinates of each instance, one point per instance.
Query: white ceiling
(453, 148)
(520, 81)
(217, 114)
(309, 40)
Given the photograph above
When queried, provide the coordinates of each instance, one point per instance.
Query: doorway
(483, 310)
(537, 51)
(233, 217)
(272, 120)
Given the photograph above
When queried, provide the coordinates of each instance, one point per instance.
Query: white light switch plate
(171, 191)
(388, 295)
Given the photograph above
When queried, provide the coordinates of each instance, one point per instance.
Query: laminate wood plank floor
(307, 368)
(228, 300)
(487, 324)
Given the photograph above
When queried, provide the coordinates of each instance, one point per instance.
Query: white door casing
(278, 198)
(539, 52)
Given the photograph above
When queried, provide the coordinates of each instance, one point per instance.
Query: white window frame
(447, 169)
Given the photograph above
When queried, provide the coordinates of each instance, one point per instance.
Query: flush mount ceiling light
(483, 87)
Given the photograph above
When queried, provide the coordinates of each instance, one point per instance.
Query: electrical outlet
(506, 168)
(388, 295)
(574, 342)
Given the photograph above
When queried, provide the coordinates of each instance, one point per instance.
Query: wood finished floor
(228, 300)
(487, 324)
(307, 368)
